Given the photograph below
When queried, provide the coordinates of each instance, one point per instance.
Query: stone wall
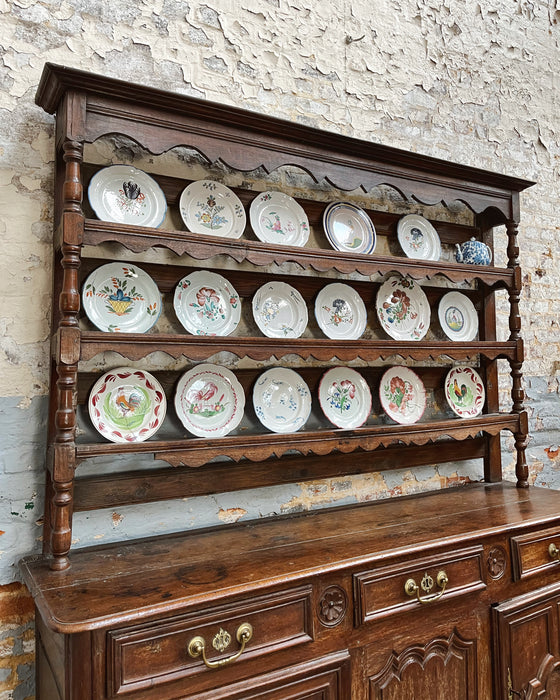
(475, 82)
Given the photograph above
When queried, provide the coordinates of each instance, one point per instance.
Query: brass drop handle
(554, 551)
(197, 645)
(413, 589)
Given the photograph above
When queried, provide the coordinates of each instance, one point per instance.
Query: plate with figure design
(209, 400)
(277, 218)
(403, 309)
(279, 310)
(402, 394)
(345, 397)
(457, 317)
(207, 304)
(127, 405)
(349, 228)
(418, 238)
(212, 208)
(465, 392)
(125, 195)
(121, 298)
(282, 400)
(340, 312)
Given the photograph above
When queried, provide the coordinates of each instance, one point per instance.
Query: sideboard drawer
(383, 591)
(535, 552)
(158, 652)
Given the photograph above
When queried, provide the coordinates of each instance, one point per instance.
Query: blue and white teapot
(473, 252)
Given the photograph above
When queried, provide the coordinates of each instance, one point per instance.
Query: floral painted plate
(209, 401)
(277, 218)
(458, 317)
(212, 208)
(418, 238)
(464, 392)
(403, 309)
(207, 304)
(340, 312)
(280, 311)
(127, 405)
(121, 298)
(345, 397)
(402, 394)
(125, 195)
(349, 228)
(282, 400)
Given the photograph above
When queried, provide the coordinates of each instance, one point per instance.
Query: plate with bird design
(209, 400)
(403, 309)
(464, 392)
(277, 218)
(121, 298)
(418, 238)
(348, 228)
(402, 394)
(213, 209)
(125, 195)
(127, 405)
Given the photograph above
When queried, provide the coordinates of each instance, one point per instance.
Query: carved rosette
(332, 606)
(496, 562)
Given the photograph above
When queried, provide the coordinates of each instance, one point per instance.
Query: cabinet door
(527, 646)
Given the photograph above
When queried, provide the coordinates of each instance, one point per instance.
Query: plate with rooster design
(345, 397)
(465, 392)
(213, 209)
(402, 395)
(277, 218)
(348, 228)
(209, 401)
(207, 304)
(121, 298)
(282, 400)
(418, 238)
(340, 312)
(125, 195)
(403, 309)
(127, 405)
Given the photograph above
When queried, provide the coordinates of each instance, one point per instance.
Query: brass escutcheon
(413, 589)
(197, 645)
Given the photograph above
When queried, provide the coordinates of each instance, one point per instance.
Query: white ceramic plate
(418, 238)
(349, 228)
(279, 310)
(125, 195)
(212, 208)
(127, 405)
(121, 298)
(345, 397)
(464, 392)
(403, 309)
(282, 400)
(277, 218)
(458, 317)
(402, 394)
(340, 312)
(209, 401)
(207, 304)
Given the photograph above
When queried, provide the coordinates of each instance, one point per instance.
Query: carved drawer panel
(535, 552)
(392, 589)
(157, 652)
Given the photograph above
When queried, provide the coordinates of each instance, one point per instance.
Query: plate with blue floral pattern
(340, 312)
(279, 310)
(213, 209)
(345, 397)
(282, 400)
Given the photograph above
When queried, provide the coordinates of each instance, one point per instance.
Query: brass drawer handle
(197, 645)
(554, 552)
(412, 588)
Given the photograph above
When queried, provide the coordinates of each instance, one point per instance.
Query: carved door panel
(527, 646)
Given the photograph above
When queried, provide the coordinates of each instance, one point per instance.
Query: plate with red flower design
(402, 394)
(207, 304)
(403, 309)
(345, 397)
(464, 392)
(127, 405)
(213, 209)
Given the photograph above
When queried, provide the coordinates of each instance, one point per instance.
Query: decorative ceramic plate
(349, 228)
(282, 400)
(121, 298)
(418, 238)
(458, 317)
(212, 208)
(340, 312)
(127, 405)
(402, 394)
(279, 310)
(126, 195)
(464, 392)
(403, 309)
(345, 397)
(209, 401)
(207, 304)
(278, 218)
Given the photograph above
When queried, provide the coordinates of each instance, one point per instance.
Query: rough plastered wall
(475, 82)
